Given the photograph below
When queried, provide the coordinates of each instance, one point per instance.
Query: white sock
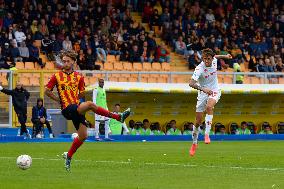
(106, 128)
(97, 127)
(195, 134)
(208, 122)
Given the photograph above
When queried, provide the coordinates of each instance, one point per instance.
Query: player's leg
(86, 106)
(97, 126)
(49, 129)
(208, 119)
(107, 129)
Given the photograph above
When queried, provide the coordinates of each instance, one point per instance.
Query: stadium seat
(132, 79)
(25, 81)
(125, 75)
(255, 80)
(91, 80)
(162, 80)
(246, 80)
(118, 66)
(29, 66)
(147, 66)
(281, 80)
(100, 64)
(20, 65)
(122, 79)
(108, 66)
(220, 78)
(137, 66)
(115, 79)
(156, 66)
(228, 79)
(181, 79)
(166, 66)
(111, 59)
(34, 82)
(144, 79)
(127, 66)
(152, 80)
(49, 66)
(115, 75)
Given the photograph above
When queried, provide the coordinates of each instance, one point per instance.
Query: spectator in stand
(243, 130)
(145, 53)
(43, 28)
(180, 46)
(34, 27)
(279, 65)
(172, 128)
(155, 19)
(8, 20)
(100, 52)
(266, 129)
(187, 128)
(134, 54)
(145, 129)
(67, 44)
(3, 61)
(194, 60)
(24, 51)
(39, 118)
(155, 129)
(56, 45)
(15, 53)
(34, 54)
(147, 12)
(46, 47)
(81, 61)
(162, 54)
(90, 61)
(19, 35)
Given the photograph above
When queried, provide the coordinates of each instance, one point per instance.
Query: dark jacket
(38, 112)
(20, 98)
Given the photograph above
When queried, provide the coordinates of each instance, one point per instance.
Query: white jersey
(207, 76)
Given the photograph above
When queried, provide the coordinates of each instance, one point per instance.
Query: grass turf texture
(144, 165)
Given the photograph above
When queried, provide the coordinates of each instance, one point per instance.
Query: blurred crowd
(170, 128)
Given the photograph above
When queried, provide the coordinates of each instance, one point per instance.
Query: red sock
(75, 145)
(104, 112)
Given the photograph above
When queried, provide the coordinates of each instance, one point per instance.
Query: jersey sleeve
(81, 85)
(51, 83)
(196, 73)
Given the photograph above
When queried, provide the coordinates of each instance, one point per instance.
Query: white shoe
(19, 132)
(38, 136)
(51, 135)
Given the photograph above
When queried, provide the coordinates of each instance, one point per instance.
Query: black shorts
(71, 113)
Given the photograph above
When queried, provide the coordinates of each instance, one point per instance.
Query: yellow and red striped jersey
(68, 86)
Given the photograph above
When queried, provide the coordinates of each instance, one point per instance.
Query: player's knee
(209, 108)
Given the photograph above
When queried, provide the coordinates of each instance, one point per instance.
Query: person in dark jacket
(20, 97)
(34, 54)
(39, 118)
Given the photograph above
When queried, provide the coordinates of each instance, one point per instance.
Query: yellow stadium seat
(166, 66)
(220, 78)
(4, 81)
(255, 80)
(92, 80)
(147, 66)
(114, 79)
(152, 80)
(111, 58)
(144, 80)
(247, 80)
(20, 65)
(228, 80)
(125, 75)
(29, 66)
(49, 66)
(162, 80)
(137, 66)
(281, 80)
(127, 66)
(34, 81)
(182, 79)
(108, 66)
(122, 79)
(132, 79)
(118, 66)
(115, 75)
(156, 66)
(24, 81)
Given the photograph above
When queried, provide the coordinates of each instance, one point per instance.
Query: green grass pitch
(146, 165)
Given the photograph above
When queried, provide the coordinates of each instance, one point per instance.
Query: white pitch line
(159, 164)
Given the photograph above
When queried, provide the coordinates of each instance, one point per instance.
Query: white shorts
(202, 99)
(101, 118)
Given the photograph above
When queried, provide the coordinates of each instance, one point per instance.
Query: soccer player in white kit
(205, 80)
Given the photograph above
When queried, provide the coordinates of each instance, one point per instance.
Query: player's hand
(42, 120)
(229, 56)
(207, 91)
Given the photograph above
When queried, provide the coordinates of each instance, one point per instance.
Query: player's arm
(81, 88)
(194, 84)
(227, 56)
(5, 91)
(49, 87)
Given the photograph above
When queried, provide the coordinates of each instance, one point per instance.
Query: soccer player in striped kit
(71, 87)
(205, 80)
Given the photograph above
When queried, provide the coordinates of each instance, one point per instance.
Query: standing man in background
(20, 97)
(99, 98)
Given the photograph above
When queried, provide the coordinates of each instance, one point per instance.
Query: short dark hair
(145, 120)
(117, 105)
(243, 122)
(207, 52)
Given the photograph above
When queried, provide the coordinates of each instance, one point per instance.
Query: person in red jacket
(162, 54)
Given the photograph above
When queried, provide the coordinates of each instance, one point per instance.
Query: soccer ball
(74, 135)
(24, 162)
